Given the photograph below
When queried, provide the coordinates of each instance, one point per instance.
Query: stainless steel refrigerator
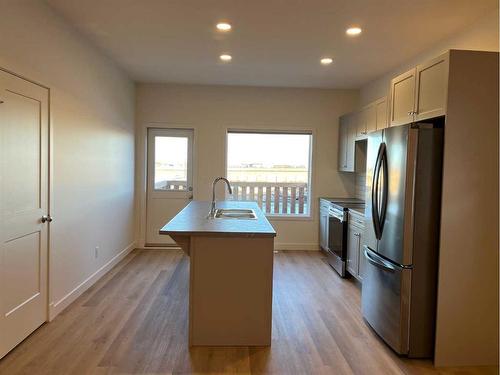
(404, 169)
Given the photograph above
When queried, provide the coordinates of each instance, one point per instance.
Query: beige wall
(213, 109)
(92, 120)
(481, 36)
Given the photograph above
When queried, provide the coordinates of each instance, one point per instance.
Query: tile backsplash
(360, 185)
(360, 168)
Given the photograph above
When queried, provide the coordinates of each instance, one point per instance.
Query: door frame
(142, 175)
(49, 310)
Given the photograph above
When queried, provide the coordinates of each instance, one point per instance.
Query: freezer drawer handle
(378, 262)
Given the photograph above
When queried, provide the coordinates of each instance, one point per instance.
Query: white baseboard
(296, 246)
(159, 248)
(57, 307)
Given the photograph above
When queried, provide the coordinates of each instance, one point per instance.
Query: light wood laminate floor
(134, 321)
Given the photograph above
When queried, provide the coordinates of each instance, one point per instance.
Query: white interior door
(169, 179)
(23, 202)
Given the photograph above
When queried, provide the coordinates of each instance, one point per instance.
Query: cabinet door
(323, 228)
(381, 113)
(352, 250)
(370, 115)
(360, 118)
(403, 98)
(432, 85)
(343, 139)
(351, 139)
(361, 257)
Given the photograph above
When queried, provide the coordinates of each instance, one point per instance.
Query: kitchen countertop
(192, 221)
(358, 210)
(342, 200)
(354, 205)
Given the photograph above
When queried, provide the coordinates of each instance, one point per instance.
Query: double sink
(234, 213)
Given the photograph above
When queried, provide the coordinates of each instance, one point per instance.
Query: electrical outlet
(96, 252)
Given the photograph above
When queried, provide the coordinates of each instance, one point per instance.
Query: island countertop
(192, 221)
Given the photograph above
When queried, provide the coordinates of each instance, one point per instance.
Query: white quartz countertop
(193, 221)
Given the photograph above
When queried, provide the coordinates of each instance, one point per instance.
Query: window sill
(278, 217)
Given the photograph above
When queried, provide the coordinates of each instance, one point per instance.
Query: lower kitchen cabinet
(362, 259)
(355, 243)
(353, 250)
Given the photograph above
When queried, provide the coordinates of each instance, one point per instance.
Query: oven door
(337, 232)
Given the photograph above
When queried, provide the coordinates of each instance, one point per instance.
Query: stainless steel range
(336, 231)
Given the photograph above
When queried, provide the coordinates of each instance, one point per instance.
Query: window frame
(308, 216)
(152, 133)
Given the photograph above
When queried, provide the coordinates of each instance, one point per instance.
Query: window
(170, 156)
(272, 169)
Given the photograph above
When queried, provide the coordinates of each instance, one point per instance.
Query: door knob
(46, 218)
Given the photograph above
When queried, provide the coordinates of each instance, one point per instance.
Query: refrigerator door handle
(375, 192)
(385, 188)
(378, 261)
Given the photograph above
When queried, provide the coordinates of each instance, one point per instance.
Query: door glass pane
(171, 163)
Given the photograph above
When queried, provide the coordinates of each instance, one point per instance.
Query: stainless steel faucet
(212, 207)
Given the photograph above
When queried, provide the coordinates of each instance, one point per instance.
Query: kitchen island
(231, 273)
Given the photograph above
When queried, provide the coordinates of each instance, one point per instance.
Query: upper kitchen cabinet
(359, 119)
(432, 84)
(403, 98)
(347, 135)
(342, 148)
(370, 118)
(381, 113)
(420, 93)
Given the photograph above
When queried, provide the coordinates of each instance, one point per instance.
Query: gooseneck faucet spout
(212, 207)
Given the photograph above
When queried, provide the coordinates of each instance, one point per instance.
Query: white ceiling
(273, 42)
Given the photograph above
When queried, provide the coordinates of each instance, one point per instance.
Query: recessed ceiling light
(223, 26)
(353, 31)
(225, 57)
(326, 61)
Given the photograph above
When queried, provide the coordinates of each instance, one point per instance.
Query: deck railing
(171, 185)
(273, 197)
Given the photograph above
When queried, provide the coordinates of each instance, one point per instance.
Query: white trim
(311, 175)
(57, 307)
(167, 248)
(296, 246)
(289, 217)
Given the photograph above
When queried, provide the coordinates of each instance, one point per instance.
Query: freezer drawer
(385, 300)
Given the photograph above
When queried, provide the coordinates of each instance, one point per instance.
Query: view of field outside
(268, 157)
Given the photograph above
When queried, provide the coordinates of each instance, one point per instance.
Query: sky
(289, 149)
(171, 150)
